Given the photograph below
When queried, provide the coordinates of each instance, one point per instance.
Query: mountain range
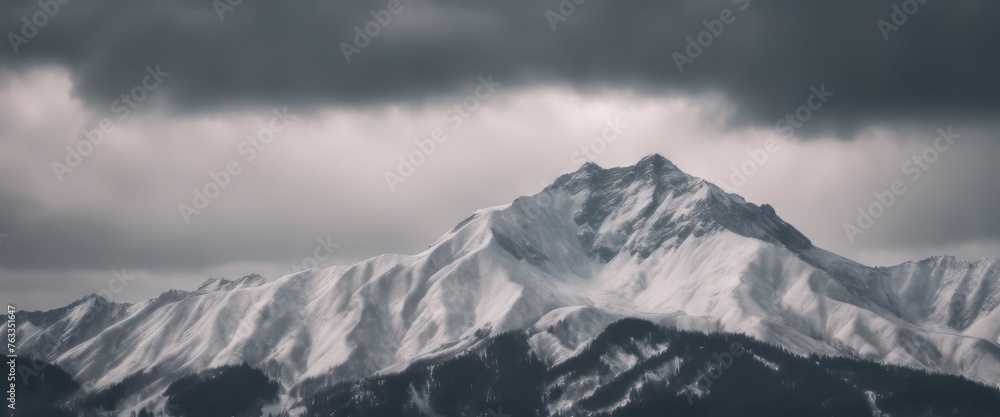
(603, 294)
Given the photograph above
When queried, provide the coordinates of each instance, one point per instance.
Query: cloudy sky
(115, 113)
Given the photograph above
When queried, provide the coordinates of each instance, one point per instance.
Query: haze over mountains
(598, 245)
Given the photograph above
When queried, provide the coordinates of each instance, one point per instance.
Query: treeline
(709, 375)
(634, 368)
(240, 391)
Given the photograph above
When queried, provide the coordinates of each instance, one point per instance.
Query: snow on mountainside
(951, 294)
(598, 244)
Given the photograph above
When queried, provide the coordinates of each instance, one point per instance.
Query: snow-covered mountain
(597, 245)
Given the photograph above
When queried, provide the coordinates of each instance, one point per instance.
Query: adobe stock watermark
(203, 196)
(323, 251)
(714, 29)
(900, 15)
(562, 12)
(454, 118)
(784, 128)
(364, 34)
(122, 106)
(714, 370)
(536, 206)
(38, 20)
(11, 330)
(613, 129)
(914, 169)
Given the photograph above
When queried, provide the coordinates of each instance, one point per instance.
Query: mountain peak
(650, 170)
(649, 163)
(589, 166)
(653, 203)
(222, 284)
(656, 161)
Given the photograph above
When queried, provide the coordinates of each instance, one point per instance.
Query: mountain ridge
(597, 245)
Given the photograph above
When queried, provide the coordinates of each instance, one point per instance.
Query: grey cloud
(938, 65)
(952, 202)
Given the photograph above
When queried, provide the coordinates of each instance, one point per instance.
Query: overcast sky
(204, 84)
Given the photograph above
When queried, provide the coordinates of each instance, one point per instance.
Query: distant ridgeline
(633, 368)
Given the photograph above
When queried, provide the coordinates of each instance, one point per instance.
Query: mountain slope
(635, 368)
(599, 244)
(952, 294)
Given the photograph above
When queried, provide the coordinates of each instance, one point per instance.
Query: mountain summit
(666, 205)
(222, 284)
(597, 245)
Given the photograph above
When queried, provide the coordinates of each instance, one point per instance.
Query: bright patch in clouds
(324, 175)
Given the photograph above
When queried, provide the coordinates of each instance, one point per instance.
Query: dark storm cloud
(119, 209)
(942, 63)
